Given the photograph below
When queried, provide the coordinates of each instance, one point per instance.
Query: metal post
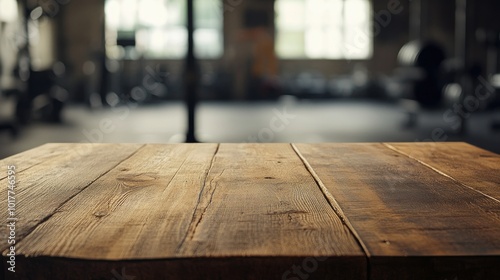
(191, 76)
(461, 52)
(461, 31)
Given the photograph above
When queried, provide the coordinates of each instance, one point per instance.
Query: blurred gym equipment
(490, 39)
(421, 67)
(419, 72)
(8, 17)
(41, 92)
(430, 79)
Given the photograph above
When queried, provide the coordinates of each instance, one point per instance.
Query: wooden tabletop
(252, 211)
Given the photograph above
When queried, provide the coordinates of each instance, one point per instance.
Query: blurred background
(96, 71)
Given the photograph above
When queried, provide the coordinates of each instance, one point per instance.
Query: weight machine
(8, 17)
(431, 79)
(40, 93)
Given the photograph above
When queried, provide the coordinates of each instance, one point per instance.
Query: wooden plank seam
(439, 171)
(22, 169)
(331, 200)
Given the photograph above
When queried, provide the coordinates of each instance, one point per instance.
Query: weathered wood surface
(256, 211)
(409, 214)
(48, 183)
(466, 164)
(32, 157)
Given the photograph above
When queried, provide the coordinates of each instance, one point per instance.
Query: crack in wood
(196, 218)
(212, 191)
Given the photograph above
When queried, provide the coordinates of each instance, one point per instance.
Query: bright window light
(323, 29)
(8, 12)
(159, 27)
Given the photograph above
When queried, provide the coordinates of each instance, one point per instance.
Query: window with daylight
(323, 29)
(159, 27)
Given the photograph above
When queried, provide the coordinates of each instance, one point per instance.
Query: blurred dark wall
(82, 28)
(82, 34)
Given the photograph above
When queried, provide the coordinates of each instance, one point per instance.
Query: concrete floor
(285, 121)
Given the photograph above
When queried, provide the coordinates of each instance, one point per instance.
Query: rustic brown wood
(261, 201)
(256, 211)
(140, 209)
(45, 186)
(218, 204)
(32, 157)
(401, 208)
(464, 163)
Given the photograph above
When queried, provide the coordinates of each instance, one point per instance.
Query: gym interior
(171, 71)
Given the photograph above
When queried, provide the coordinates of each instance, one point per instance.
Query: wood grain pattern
(464, 163)
(36, 156)
(140, 209)
(257, 211)
(43, 188)
(400, 207)
(175, 202)
(259, 200)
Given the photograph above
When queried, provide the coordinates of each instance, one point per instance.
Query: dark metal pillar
(191, 76)
(461, 31)
(461, 55)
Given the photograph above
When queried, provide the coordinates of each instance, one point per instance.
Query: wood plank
(400, 207)
(35, 156)
(260, 200)
(474, 167)
(44, 188)
(140, 209)
(248, 204)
